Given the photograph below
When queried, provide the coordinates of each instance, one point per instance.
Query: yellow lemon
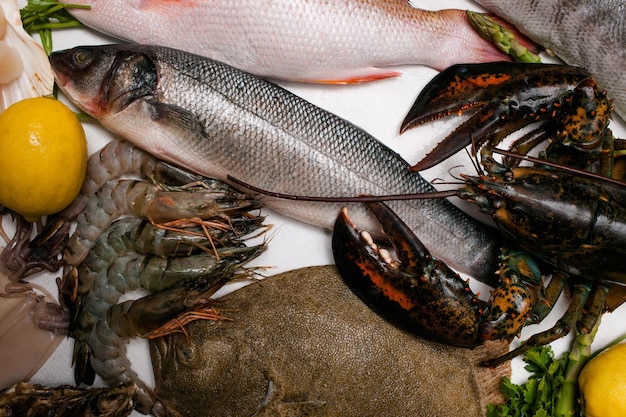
(602, 383)
(43, 157)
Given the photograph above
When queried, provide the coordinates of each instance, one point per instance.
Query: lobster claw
(417, 293)
(457, 89)
(505, 97)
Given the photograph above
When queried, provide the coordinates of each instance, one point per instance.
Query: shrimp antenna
(347, 199)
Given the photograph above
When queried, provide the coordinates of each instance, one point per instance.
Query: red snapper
(339, 41)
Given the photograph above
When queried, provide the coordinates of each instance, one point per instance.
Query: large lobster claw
(506, 97)
(418, 293)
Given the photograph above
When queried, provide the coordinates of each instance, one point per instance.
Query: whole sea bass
(216, 120)
(339, 41)
(586, 33)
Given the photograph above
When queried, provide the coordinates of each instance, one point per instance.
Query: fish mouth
(163, 353)
(59, 68)
(159, 351)
(62, 71)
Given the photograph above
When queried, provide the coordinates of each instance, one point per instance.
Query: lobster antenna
(558, 166)
(354, 199)
(474, 159)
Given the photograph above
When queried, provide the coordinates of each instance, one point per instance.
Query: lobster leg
(596, 305)
(552, 293)
(520, 298)
(563, 326)
(416, 292)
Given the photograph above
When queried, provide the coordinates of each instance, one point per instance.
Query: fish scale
(216, 120)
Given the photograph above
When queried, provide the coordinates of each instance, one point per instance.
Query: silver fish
(586, 33)
(216, 120)
(302, 344)
(339, 41)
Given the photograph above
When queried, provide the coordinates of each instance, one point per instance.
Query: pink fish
(339, 41)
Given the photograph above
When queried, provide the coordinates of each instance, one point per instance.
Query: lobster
(564, 219)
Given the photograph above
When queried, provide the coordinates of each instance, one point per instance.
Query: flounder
(302, 344)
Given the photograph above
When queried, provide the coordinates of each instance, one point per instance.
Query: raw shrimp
(176, 235)
(134, 254)
(118, 158)
(110, 336)
(140, 198)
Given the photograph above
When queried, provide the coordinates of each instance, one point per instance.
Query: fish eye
(187, 354)
(81, 58)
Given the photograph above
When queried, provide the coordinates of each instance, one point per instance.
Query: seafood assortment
(294, 40)
(556, 24)
(151, 231)
(301, 343)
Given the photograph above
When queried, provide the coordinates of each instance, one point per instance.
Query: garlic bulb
(24, 67)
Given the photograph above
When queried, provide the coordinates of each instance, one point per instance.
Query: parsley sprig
(552, 387)
(536, 397)
(43, 16)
